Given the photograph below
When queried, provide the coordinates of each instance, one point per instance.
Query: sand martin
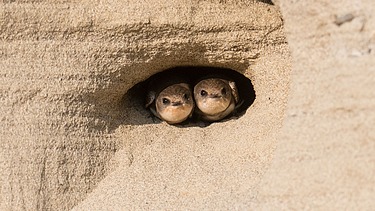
(215, 98)
(170, 100)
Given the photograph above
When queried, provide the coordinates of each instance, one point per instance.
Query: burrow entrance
(137, 94)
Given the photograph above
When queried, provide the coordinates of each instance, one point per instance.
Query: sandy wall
(72, 136)
(325, 156)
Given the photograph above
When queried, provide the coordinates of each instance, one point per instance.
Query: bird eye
(166, 101)
(203, 93)
(223, 91)
(186, 96)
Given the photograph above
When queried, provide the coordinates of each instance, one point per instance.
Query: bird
(170, 99)
(215, 98)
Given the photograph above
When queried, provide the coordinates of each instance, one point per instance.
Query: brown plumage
(215, 98)
(170, 100)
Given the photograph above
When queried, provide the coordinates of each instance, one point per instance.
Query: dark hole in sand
(267, 2)
(137, 93)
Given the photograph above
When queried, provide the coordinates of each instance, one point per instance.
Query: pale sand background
(71, 137)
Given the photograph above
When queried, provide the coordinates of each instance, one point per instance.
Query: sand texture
(74, 135)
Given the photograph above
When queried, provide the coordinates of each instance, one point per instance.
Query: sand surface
(74, 137)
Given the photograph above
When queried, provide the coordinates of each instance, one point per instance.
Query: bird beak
(215, 96)
(176, 103)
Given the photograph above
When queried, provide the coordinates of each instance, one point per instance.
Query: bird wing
(235, 94)
(150, 98)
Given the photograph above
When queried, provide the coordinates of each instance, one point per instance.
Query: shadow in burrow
(133, 101)
(267, 2)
